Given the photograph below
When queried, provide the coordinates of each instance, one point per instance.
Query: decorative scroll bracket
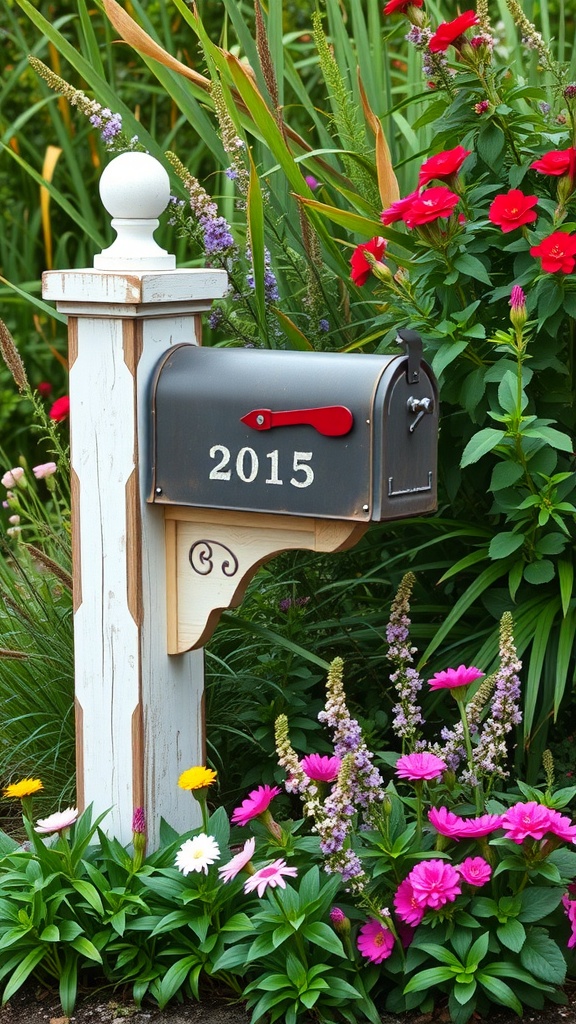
(211, 556)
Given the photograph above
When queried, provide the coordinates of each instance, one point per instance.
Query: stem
(468, 743)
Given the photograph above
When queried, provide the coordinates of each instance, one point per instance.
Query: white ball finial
(135, 190)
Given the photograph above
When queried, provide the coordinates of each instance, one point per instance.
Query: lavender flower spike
(408, 715)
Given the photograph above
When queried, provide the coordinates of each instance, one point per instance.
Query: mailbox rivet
(365, 508)
(158, 490)
(260, 420)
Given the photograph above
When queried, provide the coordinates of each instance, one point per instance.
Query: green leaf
(508, 394)
(490, 144)
(542, 957)
(446, 355)
(323, 935)
(174, 979)
(50, 934)
(566, 580)
(235, 956)
(23, 971)
(539, 572)
(483, 442)
(554, 437)
(504, 544)
(500, 992)
(505, 474)
(89, 893)
(427, 979)
(512, 935)
(86, 948)
(538, 902)
(472, 267)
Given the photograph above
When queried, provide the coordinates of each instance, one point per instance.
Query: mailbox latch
(411, 342)
(420, 406)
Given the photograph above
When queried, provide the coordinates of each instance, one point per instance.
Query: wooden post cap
(135, 190)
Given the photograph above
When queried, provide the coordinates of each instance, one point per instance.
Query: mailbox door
(209, 452)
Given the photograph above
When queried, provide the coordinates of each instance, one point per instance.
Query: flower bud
(340, 922)
(518, 313)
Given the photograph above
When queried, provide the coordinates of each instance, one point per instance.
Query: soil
(32, 1006)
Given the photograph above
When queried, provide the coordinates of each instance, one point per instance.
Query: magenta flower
(56, 822)
(320, 767)
(375, 942)
(446, 823)
(420, 766)
(527, 821)
(475, 828)
(434, 883)
(255, 803)
(570, 908)
(475, 870)
(454, 678)
(234, 866)
(406, 905)
(561, 825)
(272, 875)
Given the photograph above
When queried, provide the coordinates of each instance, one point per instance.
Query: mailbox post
(190, 468)
(138, 710)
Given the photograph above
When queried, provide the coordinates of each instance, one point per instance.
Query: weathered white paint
(139, 711)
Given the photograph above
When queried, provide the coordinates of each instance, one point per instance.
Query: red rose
(449, 31)
(557, 162)
(361, 269)
(442, 165)
(398, 209)
(435, 202)
(401, 5)
(557, 253)
(512, 210)
(60, 409)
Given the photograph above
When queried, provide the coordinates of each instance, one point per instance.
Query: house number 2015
(247, 466)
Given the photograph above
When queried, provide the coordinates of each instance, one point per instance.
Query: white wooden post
(138, 710)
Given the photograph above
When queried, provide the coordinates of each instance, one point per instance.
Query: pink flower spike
(234, 866)
(406, 905)
(320, 767)
(272, 875)
(454, 678)
(375, 942)
(434, 882)
(527, 821)
(57, 822)
(475, 871)
(44, 470)
(420, 766)
(255, 803)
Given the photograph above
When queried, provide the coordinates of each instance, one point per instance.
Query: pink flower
(375, 942)
(446, 823)
(272, 875)
(527, 821)
(420, 766)
(407, 907)
(397, 210)
(11, 478)
(229, 871)
(475, 870)
(44, 469)
(255, 803)
(320, 767)
(60, 409)
(434, 883)
(570, 908)
(57, 822)
(453, 678)
(561, 825)
(475, 828)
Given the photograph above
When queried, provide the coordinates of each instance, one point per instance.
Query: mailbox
(257, 451)
(339, 436)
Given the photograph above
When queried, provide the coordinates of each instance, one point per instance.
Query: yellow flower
(26, 787)
(196, 778)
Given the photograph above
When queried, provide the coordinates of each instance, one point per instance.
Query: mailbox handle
(411, 342)
(330, 420)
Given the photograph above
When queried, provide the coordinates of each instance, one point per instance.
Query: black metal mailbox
(339, 436)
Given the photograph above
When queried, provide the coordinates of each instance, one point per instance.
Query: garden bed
(35, 1006)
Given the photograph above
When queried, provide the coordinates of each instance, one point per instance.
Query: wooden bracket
(211, 556)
